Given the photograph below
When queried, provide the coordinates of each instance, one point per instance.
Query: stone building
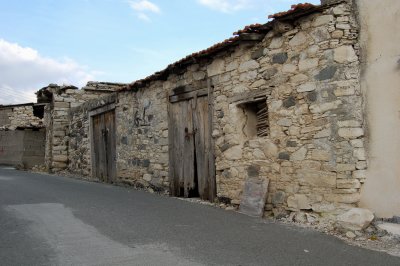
(22, 135)
(293, 104)
(59, 100)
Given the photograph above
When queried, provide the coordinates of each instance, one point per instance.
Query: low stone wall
(4, 116)
(21, 116)
(24, 148)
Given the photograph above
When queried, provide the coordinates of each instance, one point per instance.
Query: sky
(72, 42)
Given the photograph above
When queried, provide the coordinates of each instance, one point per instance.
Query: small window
(257, 123)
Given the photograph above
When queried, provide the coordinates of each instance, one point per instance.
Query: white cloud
(144, 5)
(24, 71)
(226, 6)
(143, 17)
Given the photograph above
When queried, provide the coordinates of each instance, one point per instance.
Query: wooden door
(192, 162)
(103, 146)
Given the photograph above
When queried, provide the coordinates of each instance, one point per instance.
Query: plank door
(103, 133)
(192, 163)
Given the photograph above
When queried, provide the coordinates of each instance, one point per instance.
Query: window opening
(257, 122)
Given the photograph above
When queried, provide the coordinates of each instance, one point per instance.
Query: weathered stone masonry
(60, 100)
(305, 67)
(314, 155)
(22, 135)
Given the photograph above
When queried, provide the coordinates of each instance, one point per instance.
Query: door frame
(93, 113)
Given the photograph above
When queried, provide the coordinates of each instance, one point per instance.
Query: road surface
(51, 220)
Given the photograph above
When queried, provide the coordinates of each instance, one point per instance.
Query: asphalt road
(51, 220)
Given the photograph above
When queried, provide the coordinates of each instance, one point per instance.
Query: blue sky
(74, 41)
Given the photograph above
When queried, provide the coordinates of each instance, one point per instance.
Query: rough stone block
(341, 167)
(315, 178)
(299, 155)
(232, 66)
(276, 43)
(59, 133)
(326, 73)
(248, 65)
(361, 165)
(321, 155)
(257, 53)
(254, 197)
(279, 58)
(285, 122)
(59, 165)
(350, 133)
(216, 67)
(360, 174)
(337, 34)
(348, 183)
(343, 198)
(60, 158)
(299, 39)
(61, 105)
(320, 34)
(306, 87)
(360, 154)
(299, 202)
(284, 156)
(298, 78)
(307, 64)
(269, 148)
(278, 198)
(253, 171)
(323, 107)
(323, 133)
(355, 219)
(345, 54)
(322, 20)
(234, 153)
(147, 177)
(349, 123)
(199, 75)
(269, 73)
(289, 102)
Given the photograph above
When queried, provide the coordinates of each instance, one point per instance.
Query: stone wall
(4, 116)
(142, 137)
(314, 154)
(79, 160)
(23, 148)
(63, 98)
(21, 116)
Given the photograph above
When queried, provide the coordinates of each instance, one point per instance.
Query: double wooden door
(192, 162)
(103, 146)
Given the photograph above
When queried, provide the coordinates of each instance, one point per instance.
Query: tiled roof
(238, 36)
(296, 10)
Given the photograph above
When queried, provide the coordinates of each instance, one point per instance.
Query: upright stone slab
(254, 196)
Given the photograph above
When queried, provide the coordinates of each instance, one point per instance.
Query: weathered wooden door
(103, 146)
(192, 162)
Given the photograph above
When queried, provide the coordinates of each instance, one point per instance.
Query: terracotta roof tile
(294, 9)
(298, 9)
